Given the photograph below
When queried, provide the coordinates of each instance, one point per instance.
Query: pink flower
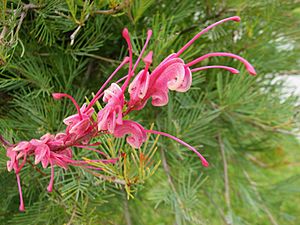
(41, 152)
(176, 75)
(111, 114)
(169, 75)
(84, 114)
(13, 162)
(15, 153)
(80, 124)
(139, 86)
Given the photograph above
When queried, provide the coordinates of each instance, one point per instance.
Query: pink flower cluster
(171, 74)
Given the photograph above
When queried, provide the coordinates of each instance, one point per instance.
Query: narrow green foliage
(243, 125)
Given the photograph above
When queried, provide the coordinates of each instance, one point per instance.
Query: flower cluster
(171, 74)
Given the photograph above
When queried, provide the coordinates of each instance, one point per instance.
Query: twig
(100, 58)
(73, 35)
(3, 33)
(22, 16)
(126, 211)
(260, 125)
(107, 178)
(264, 207)
(32, 6)
(115, 10)
(290, 72)
(4, 142)
(264, 165)
(72, 216)
(216, 206)
(36, 168)
(273, 129)
(170, 179)
(23, 13)
(225, 168)
(256, 161)
(26, 7)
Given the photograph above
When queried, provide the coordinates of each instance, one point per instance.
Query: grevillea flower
(139, 86)
(137, 135)
(111, 114)
(171, 74)
(80, 124)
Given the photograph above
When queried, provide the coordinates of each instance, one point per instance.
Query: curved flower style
(171, 74)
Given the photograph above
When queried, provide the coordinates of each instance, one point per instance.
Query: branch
(264, 207)
(114, 10)
(99, 57)
(107, 178)
(126, 210)
(225, 168)
(72, 37)
(216, 206)
(2, 35)
(36, 168)
(22, 16)
(170, 179)
(290, 72)
(4, 142)
(26, 7)
(72, 216)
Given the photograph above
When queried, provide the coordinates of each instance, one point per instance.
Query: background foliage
(246, 129)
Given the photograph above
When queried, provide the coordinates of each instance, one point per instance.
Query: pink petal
(139, 86)
(9, 166)
(174, 75)
(69, 120)
(160, 97)
(21, 146)
(80, 127)
(102, 118)
(187, 81)
(136, 132)
(42, 153)
(113, 92)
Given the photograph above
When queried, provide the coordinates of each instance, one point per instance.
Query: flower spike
(172, 74)
(139, 86)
